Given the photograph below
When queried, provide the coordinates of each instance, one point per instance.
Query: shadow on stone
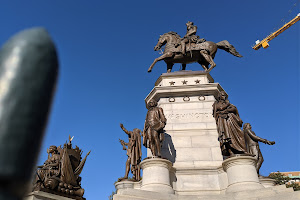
(168, 149)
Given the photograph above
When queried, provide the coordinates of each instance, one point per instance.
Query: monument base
(40, 195)
(266, 182)
(156, 175)
(241, 173)
(271, 193)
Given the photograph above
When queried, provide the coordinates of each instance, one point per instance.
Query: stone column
(241, 173)
(156, 175)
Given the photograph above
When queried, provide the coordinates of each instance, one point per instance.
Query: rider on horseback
(190, 36)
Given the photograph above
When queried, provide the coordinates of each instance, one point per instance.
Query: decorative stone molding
(266, 182)
(241, 173)
(156, 175)
(124, 184)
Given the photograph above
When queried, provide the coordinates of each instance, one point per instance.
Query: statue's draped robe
(134, 149)
(229, 128)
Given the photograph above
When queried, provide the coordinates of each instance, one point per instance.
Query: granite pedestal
(156, 175)
(192, 147)
(242, 174)
(40, 195)
(191, 137)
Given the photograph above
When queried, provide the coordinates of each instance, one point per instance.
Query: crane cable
(283, 20)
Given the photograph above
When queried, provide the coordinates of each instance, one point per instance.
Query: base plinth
(156, 175)
(241, 173)
(266, 182)
(40, 195)
(124, 184)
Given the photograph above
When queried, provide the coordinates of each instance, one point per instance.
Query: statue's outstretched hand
(270, 142)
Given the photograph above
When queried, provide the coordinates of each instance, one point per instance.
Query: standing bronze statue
(190, 37)
(197, 50)
(134, 153)
(253, 146)
(229, 123)
(153, 134)
(60, 174)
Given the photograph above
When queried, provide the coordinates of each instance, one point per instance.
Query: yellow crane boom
(264, 43)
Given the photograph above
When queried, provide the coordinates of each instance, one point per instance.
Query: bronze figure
(60, 174)
(229, 123)
(28, 73)
(153, 134)
(197, 50)
(253, 146)
(190, 37)
(134, 153)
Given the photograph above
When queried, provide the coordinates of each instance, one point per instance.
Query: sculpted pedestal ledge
(266, 182)
(40, 195)
(156, 175)
(242, 174)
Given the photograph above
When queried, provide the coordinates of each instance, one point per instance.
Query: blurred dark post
(28, 73)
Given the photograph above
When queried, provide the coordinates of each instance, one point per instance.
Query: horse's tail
(225, 45)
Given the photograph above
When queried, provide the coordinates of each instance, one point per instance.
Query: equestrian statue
(190, 49)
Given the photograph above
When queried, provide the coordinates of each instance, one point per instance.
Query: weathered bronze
(134, 153)
(28, 73)
(153, 134)
(229, 123)
(60, 172)
(190, 49)
(253, 146)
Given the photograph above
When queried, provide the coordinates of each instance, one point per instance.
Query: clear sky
(106, 47)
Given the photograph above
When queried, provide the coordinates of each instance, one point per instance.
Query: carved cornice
(239, 160)
(185, 90)
(157, 162)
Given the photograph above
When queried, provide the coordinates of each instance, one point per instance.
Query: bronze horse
(203, 53)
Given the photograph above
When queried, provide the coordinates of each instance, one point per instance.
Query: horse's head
(161, 42)
(170, 37)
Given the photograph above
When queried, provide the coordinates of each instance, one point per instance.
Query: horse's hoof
(149, 71)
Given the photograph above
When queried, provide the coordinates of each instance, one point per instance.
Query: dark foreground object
(28, 73)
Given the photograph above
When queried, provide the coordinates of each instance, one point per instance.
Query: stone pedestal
(241, 173)
(191, 137)
(40, 195)
(125, 184)
(191, 145)
(156, 175)
(266, 182)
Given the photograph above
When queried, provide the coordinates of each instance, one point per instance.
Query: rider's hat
(189, 23)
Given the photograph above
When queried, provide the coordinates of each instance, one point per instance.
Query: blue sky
(105, 49)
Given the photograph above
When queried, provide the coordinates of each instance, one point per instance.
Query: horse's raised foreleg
(209, 59)
(167, 55)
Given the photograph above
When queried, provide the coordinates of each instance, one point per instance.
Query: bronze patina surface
(134, 153)
(190, 49)
(60, 174)
(252, 144)
(153, 133)
(229, 123)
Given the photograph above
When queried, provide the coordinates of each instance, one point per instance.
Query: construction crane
(264, 43)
